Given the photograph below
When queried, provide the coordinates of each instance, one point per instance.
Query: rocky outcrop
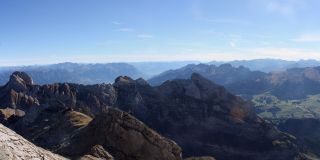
(19, 81)
(13, 146)
(124, 137)
(99, 152)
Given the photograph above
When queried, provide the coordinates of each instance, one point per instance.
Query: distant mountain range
(150, 69)
(73, 73)
(90, 73)
(269, 65)
(81, 121)
(295, 83)
(106, 73)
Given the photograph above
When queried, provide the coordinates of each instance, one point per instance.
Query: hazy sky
(50, 31)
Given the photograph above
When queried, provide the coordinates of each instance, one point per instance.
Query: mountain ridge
(294, 83)
(200, 116)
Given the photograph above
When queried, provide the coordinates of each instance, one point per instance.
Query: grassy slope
(271, 107)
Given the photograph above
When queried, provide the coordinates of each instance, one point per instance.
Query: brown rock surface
(124, 137)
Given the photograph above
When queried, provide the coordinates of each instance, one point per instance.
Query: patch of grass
(78, 119)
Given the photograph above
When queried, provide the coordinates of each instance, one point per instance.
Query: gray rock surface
(15, 147)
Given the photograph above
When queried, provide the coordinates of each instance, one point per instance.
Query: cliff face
(205, 119)
(202, 117)
(13, 146)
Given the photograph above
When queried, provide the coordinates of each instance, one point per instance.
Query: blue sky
(51, 31)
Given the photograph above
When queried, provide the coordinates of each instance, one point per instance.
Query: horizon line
(154, 61)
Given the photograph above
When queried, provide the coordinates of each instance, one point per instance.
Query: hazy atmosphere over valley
(160, 79)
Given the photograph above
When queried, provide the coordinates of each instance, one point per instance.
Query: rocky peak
(19, 81)
(21, 77)
(142, 82)
(123, 80)
(197, 87)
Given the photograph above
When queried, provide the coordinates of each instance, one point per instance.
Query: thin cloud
(199, 14)
(257, 53)
(308, 38)
(124, 30)
(232, 44)
(283, 7)
(227, 21)
(285, 53)
(108, 43)
(145, 36)
(116, 23)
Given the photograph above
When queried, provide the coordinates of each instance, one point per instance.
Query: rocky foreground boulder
(13, 146)
(201, 117)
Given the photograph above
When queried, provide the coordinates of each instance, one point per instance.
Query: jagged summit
(123, 79)
(21, 77)
(19, 81)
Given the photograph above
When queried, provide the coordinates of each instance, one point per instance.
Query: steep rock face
(204, 119)
(19, 81)
(13, 146)
(124, 137)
